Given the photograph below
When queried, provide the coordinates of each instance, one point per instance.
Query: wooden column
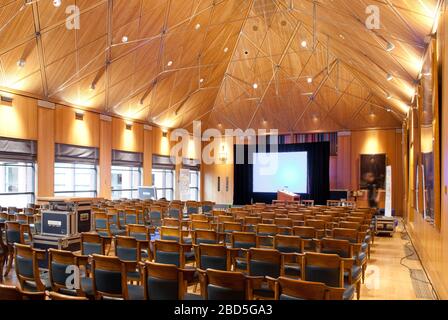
(105, 163)
(147, 156)
(45, 152)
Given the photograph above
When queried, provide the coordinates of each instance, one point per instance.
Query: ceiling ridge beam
(243, 24)
(40, 49)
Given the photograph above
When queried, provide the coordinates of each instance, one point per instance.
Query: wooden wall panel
(127, 140)
(45, 153)
(105, 183)
(19, 121)
(147, 157)
(343, 168)
(161, 144)
(431, 242)
(77, 132)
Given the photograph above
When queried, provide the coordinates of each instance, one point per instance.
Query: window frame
(4, 164)
(75, 192)
(161, 192)
(132, 190)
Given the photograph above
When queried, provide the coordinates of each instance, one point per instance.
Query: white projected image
(291, 172)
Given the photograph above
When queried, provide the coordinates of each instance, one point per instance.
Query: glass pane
(75, 179)
(169, 179)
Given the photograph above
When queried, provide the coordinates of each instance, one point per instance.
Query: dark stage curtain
(318, 173)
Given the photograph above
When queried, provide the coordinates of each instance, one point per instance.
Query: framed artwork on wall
(372, 171)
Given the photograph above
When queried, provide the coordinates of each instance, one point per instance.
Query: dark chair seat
(241, 264)
(189, 256)
(264, 291)
(292, 269)
(135, 292)
(356, 272)
(190, 296)
(117, 232)
(134, 275)
(349, 292)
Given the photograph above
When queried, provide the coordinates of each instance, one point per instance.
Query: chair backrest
(222, 219)
(26, 260)
(92, 243)
(291, 289)
(305, 232)
(58, 262)
(229, 227)
(205, 236)
(266, 229)
(171, 233)
(200, 225)
(317, 224)
(251, 220)
(349, 225)
(138, 231)
(289, 244)
(171, 222)
(226, 285)
(10, 293)
(108, 276)
(63, 297)
(198, 217)
(213, 256)
(283, 222)
(131, 216)
(13, 232)
(335, 246)
(267, 215)
(169, 252)
(101, 220)
(207, 206)
(243, 240)
(326, 268)
(162, 282)
(346, 234)
(264, 262)
(175, 211)
(127, 249)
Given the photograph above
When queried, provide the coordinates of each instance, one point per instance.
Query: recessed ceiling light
(390, 46)
(304, 44)
(389, 97)
(170, 63)
(21, 63)
(388, 110)
(341, 36)
(255, 86)
(201, 80)
(198, 26)
(389, 77)
(124, 39)
(226, 49)
(309, 80)
(57, 3)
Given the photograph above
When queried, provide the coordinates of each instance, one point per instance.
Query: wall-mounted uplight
(79, 115)
(128, 125)
(5, 101)
(164, 134)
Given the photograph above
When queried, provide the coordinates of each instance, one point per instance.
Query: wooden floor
(386, 278)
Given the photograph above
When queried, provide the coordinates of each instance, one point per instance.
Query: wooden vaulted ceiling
(189, 60)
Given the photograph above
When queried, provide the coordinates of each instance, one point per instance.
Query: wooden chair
(225, 285)
(109, 279)
(14, 233)
(240, 243)
(155, 216)
(139, 232)
(250, 223)
(200, 225)
(63, 297)
(3, 251)
(307, 203)
(175, 211)
(213, 256)
(328, 269)
(291, 247)
(284, 225)
(15, 293)
(175, 234)
(205, 237)
(198, 217)
(166, 282)
(290, 289)
(130, 250)
(266, 233)
(171, 252)
(94, 243)
(319, 225)
(26, 261)
(59, 262)
(170, 222)
(263, 263)
(207, 207)
(229, 227)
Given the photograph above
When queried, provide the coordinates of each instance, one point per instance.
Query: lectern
(284, 195)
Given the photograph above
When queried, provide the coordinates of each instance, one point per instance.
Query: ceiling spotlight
(388, 110)
(226, 49)
(57, 3)
(389, 77)
(342, 36)
(92, 87)
(124, 39)
(389, 96)
(170, 63)
(21, 63)
(198, 26)
(309, 80)
(79, 115)
(255, 86)
(390, 46)
(201, 80)
(304, 44)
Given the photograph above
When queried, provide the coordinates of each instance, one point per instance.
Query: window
(125, 182)
(194, 185)
(16, 184)
(163, 180)
(75, 180)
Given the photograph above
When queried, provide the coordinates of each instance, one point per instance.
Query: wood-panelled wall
(431, 241)
(26, 120)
